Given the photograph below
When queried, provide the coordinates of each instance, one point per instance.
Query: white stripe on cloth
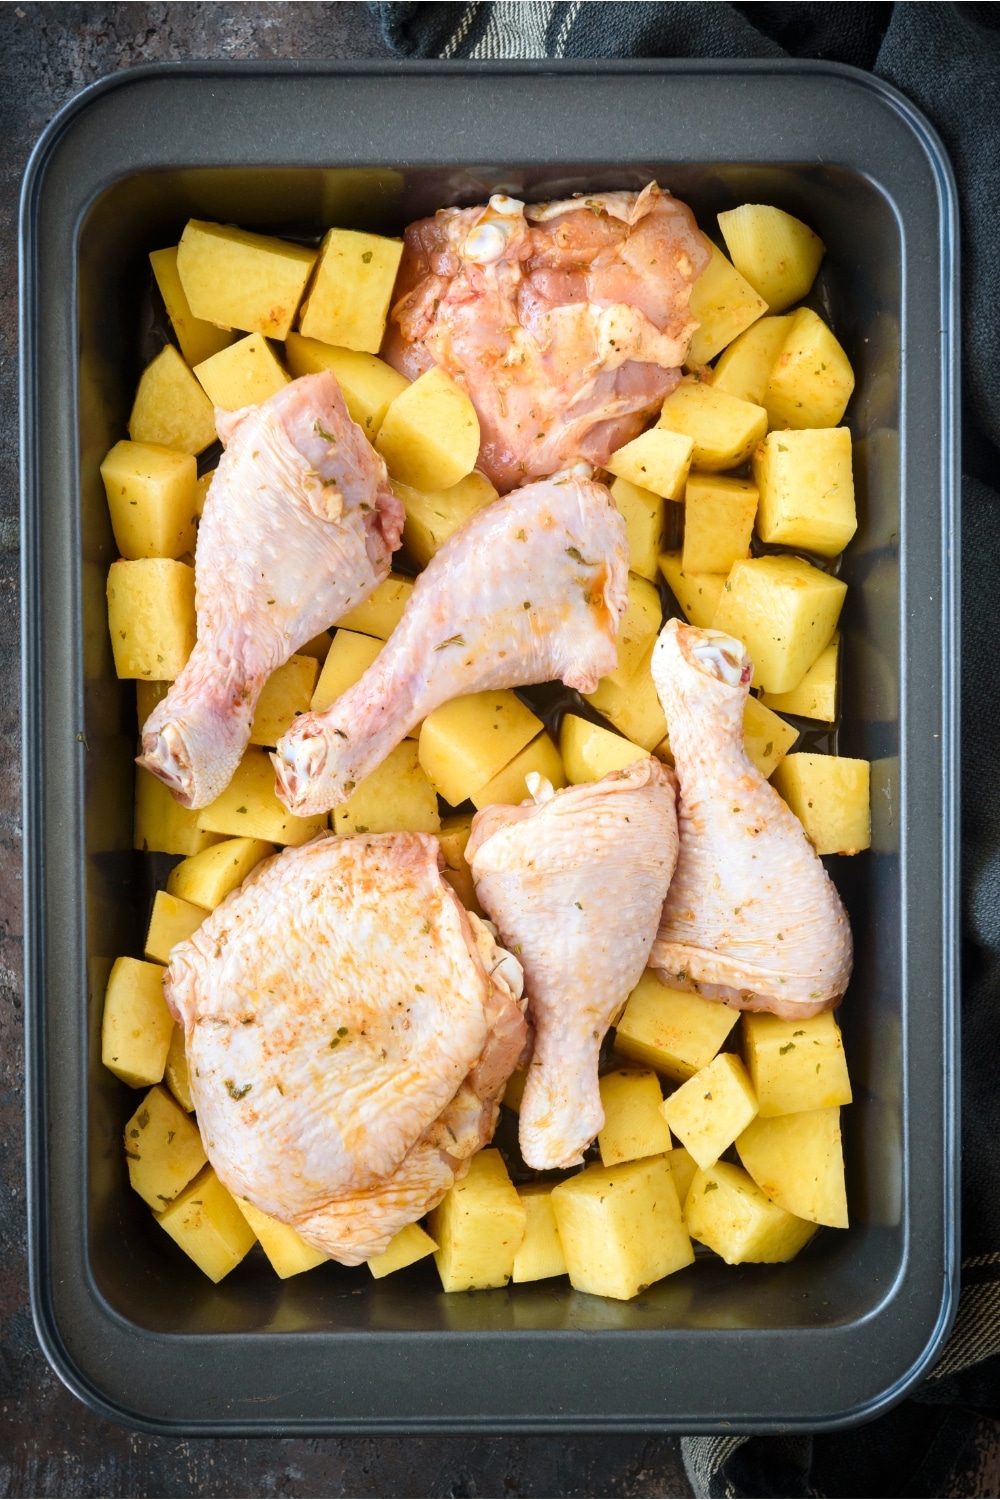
(462, 30)
(515, 28)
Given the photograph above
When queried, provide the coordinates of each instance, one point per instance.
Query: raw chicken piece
(751, 917)
(298, 527)
(575, 884)
(565, 322)
(349, 1030)
(531, 588)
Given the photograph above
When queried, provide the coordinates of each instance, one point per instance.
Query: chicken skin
(349, 1030)
(529, 589)
(565, 322)
(751, 917)
(575, 884)
(298, 527)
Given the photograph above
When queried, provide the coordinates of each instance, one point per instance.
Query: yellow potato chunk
(242, 280)
(831, 797)
(453, 838)
(514, 1092)
(464, 743)
(621, 1227)
(637, 629)
(509, 787)
(724, 303)
(784, 611)
(709, 1111)
(382, 611)
(198, 339)
(657, 460)
(170, 408)
(162, 824)
(645, 517)
(478, 1226)
(394, 798)
(811, 380)
(590, 752)
(208, 877)
(249, 808)
(147, 696)
(726, 1210)
(208, 1226)
(245, 374)
(743, 369)
(410, 1244)
(318, 647)
(176, 1075)
(163, 1148)
(634, 709)
(137, 1026)
(806, 489)
(696, 593)
(672, 1031)
(718, 522)
(724, 429)
(284, 1246)
(429, 436)
(348, 659)
(287, 692)
(151, 617)
(777, 254)
(172, 921)
(349, 298)
(151, 495)
(798, 1161)
(795, 1065)
(432, 515)
(633, 1122)
(540, 1253)
(368, 384)
(767, 739)
(815, 697)
(683, 1168)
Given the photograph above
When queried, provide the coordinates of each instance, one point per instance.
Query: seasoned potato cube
(478, 1226)
(709, 1111)
(806, 489)
(137, 1026)
(811, 380)
(382, 611)
(726, 1210)
(198, 339)
(590, 752)
(509, 786)
(784, 611)
(394, 798)
(429, 435)
(348, 659)
(207, 878)
(743, 369)
(657, 460)
(634, 709)
(514, 1092)
(621, 1227)
(151, 617)
(176, 1075)
(798, 1161)
(147, 696)
(318, 647)
(162, 824)
(633, 1122)
(795, 1065)
(248, 808)
(173, 921)
(284, 1246)
(453, 838)
(245, 374)
(351, 290)
(464, 743)
(287, 692)
(816, 695)
(718, 523)
(432, 515)
(170, 408)
(672, 1031)
(645, 517)
(696, 593)
(831, 797)
(637, 629)
(163, 1148)
(540, 1253)
(242, 280)
(767, 739)
(368, 384)
(724, 429)
(151, 496)
(683, 1167)
(777, 254)
(724, 303)
(208, 1226)
(410, 1244)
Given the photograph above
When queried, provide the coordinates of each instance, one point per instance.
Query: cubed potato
(711, 1109)
(394, 798)
(175, 1074)
(173, 921)
(478, 1226)
(432, 515)
(410, 1244)
(208, 1226)
(798, 1161)
(147, 696)
(634, 709)
(163, 1148)
(645, 517)
(151, 617)
(718, 522)
(382, 611)
(589, 752)
(242, 280)
(207, 878)
(683, 1167)
(368, 384)
(509, 786)
(151, 496)
(777, 254)
(429, 435)
(514, 1091)
(284, 1246)
(743, 369)
(724, 429)
(162, 825)
(697, 594)
(657, 460)
(811, 380)
(672, 1031)
(806, 489)
(831, 797)
(540, 1253)
(621, 1227)
(633, 1121)
(784, 611)
(249, 808)
(170, 408)
(245, 374)
(348, 659)
(795, 1065)
(767, 738)
(350, 293)
(318, 647)
(198, 338)
(816, 695)
(726, 1210)
(137, 1026)
(637, 629)
(724, 303)
(287, 692)
(464, 743)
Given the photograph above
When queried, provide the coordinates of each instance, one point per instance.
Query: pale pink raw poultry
(752, 917)
(565, 322)
(349, 1030)
(529, 589)
(299, 526)
(575, 884)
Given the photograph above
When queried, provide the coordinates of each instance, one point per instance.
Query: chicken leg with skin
(529, 589)
(575, 884)
(299, 527)
(752, 917)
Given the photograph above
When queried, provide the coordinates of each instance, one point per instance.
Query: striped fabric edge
(512, 28)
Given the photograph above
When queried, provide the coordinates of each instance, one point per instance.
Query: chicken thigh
(529, 589)
(565, 322)
(298, 527)
(575, 884)
(752, 917)
(349, 1030)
